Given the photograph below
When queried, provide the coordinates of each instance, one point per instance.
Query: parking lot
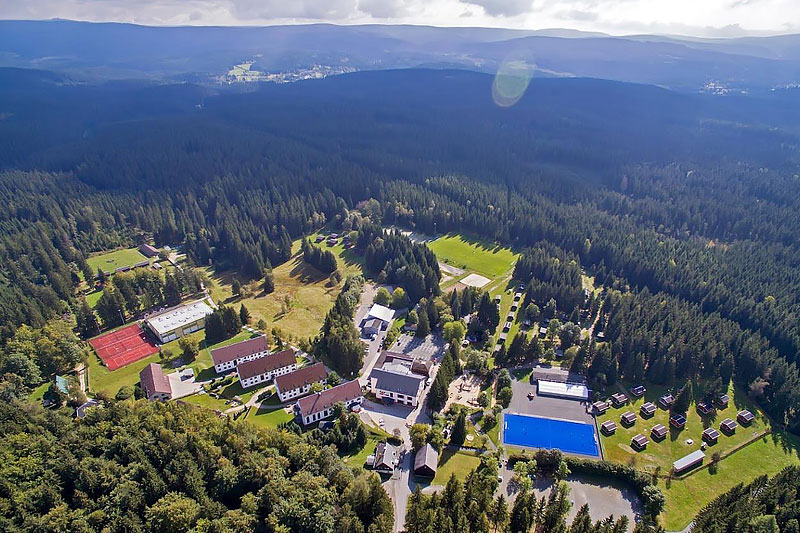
(431, 347)
(546, 406)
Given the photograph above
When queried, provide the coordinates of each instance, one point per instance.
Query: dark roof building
(648, 409)
(628, 418)
(619, 399)
(279, 362)
(677, 421)
(745, 417)
(609, 427)
(638, 390)
(386, 457)
(600, 407)
(403, 387)
(639, 442)
(666, 401)
(728, 426)
(80, 411)
(659, 431)
(711, 435)
(722, 401)
(425, 461)
(148, 250)
(705, 408)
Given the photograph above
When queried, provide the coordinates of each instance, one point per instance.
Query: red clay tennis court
(123, 347)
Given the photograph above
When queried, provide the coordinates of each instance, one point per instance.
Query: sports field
(487, 259)
(123, 346)
(549, 434)
(111, 261)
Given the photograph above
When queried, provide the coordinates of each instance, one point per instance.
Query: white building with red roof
(299, 382)
(263, 369)
(154, 383)
(229, 357)
(319, 406)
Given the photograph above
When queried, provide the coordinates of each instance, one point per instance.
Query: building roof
(685, 462)
(746, 415)
(619, 397)
(648, 407)
(640, 440)
(728, 423)
(265, 364)
(408, 384)
(327, 398)
(711, 433)
(174, 318)
(148, 250)
(628, 416)
(660, 430)
(609, 425)
(62, 384)
(667, 399)
(426, 457)
(153, 380)
(80, 411)
(302, 377)
(385, 456)
(381, 312)
(567, 390)
(237, 350)
(373, 323)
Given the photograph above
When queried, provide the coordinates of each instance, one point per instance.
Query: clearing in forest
(110, 261)
(476, 260)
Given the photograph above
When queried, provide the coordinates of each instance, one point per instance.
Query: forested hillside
(141, 466)
(691, 196)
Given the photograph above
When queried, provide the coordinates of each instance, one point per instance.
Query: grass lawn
(302, 296)
(102, 379)
(268, 418)
(359, 458)
(482, 257)
(494, 433)
(458, 463)
(685, 497)
(93, 297)
(37, 394)
(110, 261)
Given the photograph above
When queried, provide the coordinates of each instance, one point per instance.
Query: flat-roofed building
(179, 321)
(154, 383)
(319, 406)
(684, 463)
(299, 383)
(658, 432)
(229, 357)
(265, 368)
(572, 391)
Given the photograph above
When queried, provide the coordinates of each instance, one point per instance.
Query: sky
(702, 18)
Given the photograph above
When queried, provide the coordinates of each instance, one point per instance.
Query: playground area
(464, 391)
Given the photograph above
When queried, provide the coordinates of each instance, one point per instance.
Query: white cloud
(694, 17)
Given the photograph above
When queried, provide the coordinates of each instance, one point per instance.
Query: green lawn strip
(111, 261)
(93, 297)
(37, 394)
(359, 457)
(685, 497)
(487, 259)
(268, 418)
(451, 462)
(494, 433)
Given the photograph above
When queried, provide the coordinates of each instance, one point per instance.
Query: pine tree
(684, 398)
(87, 321)
(236, 287)
(269, 282)
(423, 324)
(459, 429)
(244, 314)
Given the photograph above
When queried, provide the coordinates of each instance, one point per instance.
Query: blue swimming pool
(536, 432)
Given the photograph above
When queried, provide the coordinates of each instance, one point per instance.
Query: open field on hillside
(481, 257)
(303, 295)
(767, 454)
(110, 261)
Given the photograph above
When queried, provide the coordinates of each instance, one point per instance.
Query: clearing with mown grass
(303, 295)
(487, 259)
(452, 462)
(111, 261)
(767, 454)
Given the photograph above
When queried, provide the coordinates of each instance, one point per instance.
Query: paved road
(399, 487)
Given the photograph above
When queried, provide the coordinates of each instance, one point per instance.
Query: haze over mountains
(93, 51)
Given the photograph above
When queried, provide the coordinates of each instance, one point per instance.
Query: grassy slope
(308, 291)
(110, 261)
(268, 418)
(483, 258)
(685, 497)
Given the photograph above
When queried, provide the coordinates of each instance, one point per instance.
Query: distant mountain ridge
(201, 54)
